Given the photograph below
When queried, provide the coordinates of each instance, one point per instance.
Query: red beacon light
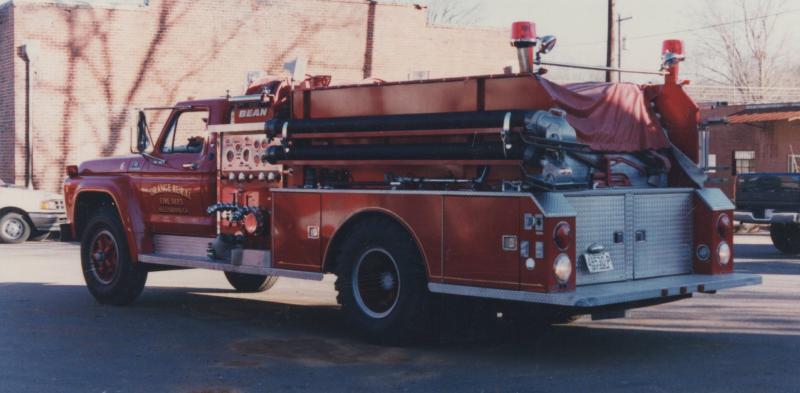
(523, 34)
(671, 56)
(523, 37)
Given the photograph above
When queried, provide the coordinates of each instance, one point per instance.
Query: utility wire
(640, 37)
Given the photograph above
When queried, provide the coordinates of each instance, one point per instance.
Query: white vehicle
(28, 214)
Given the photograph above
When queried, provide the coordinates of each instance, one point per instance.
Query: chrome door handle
(191, 166)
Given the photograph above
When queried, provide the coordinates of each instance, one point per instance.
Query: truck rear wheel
(786, 237)
(14, 228)
(110, 274)
(249, 282)
(382, 284)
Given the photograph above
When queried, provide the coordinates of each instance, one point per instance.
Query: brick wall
(97, 63)
(772, 143)
(7, 130)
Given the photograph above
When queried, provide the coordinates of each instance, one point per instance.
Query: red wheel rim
(104, 257)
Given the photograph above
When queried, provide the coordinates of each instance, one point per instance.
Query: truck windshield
(185, 134)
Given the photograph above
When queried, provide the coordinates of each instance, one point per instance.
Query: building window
(744, 161)
(794, 163)
(711, 162)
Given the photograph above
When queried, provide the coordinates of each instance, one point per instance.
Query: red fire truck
(544, 200)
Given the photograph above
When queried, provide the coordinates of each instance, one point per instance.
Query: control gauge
(246, 155)
(230, 155)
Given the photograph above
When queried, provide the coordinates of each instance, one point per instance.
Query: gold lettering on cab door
(171, 197)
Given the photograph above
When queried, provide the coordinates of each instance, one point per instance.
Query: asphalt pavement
(189, 332)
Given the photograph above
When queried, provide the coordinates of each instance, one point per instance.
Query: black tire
(390, 304)
(250, 283)
(786, 238)
(14, 228)
(111, 276)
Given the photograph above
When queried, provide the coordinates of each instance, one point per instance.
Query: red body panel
(293, 218)
(706, 233)
(474, 228)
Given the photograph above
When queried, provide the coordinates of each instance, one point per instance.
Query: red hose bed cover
(609, 117)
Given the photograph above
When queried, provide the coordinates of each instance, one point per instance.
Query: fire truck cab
(548, 201)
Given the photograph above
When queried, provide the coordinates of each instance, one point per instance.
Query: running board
(596, 295)
(222, 265)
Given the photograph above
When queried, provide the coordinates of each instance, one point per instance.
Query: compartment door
(601, 219)
(474, 250)
(663, 234)
(296, 240)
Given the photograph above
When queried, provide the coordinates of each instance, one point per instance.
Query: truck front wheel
(786, 237)
(110, 274)
(250, 283)
(382, 284)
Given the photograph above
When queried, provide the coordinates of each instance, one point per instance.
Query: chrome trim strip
(610, 293)
(785, 217)
(715, 199)
(630, 190)
(221, 265)
(238, 127)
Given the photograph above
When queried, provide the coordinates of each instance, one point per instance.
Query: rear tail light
(561, 235)
(723, 253)
(724, 226)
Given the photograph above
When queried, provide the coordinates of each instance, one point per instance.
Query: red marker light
(724, 226)
(72, 171)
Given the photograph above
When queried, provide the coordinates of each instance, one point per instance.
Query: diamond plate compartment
(598, 218)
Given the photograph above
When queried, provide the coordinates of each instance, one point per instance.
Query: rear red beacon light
(561, 235)
(523, 34)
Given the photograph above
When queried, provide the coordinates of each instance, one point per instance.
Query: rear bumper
(597, 295)
(46, 222)
(784, 217)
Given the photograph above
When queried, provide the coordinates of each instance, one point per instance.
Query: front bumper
(47, 222)
(597, 295)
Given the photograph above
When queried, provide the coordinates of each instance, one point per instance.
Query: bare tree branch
(455, 12)
(748, 55)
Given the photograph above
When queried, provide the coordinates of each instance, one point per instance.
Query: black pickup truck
(774, 199)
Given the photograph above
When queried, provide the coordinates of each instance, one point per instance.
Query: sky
(580, 26)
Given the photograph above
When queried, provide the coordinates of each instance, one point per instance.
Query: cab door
(179, 181)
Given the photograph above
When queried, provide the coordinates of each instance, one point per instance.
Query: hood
(116, 164)
(22, 193)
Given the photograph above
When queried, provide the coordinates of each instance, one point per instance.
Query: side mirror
(142, 140)
(547, 43)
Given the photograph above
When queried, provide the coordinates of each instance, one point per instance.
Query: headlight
(51, 204)
(723, 253)
(562, 267)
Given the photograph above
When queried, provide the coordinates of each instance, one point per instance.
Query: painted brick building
(759, 138)
(90, 65)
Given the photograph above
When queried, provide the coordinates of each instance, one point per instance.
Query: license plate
(600, 262)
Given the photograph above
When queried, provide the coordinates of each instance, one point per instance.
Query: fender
(372, 210)
(123, 193)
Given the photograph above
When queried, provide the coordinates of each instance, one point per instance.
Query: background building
(90, 63)
(758, 138)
